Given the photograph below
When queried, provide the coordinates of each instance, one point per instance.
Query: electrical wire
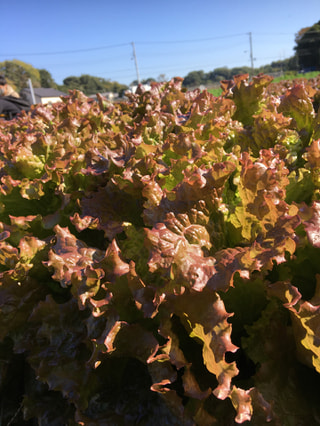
(199, 40)
(154, 69)
(89, 49)
(155, 42)
(190, 40)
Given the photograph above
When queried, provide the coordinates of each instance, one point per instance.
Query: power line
(153, 69)
(66, 51)
(61, 52)
(153, 53)
(196, 40)
(272, 34)
(164, 42)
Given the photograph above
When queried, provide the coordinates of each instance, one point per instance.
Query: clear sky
(171, 37)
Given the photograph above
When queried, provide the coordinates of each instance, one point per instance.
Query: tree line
(307, 47)
(198, 78)
(306, 57)
(18, 73)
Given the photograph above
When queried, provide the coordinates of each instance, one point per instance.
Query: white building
(43, 95)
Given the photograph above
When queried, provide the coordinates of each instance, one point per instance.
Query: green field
(290, 75)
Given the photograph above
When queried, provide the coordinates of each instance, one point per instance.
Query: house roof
(46, 92)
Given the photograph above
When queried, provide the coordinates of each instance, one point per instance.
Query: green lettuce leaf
(249, 97)
(297, 103)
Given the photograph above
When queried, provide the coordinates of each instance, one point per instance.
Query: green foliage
(18, 73)
(195, 78)
(198, 78)
(46, 79)
(144, 81)
(91, 85)
(291, 75)
(307, 42)
(159, 257)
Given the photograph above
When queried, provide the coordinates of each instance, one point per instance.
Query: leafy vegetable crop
(160, 258)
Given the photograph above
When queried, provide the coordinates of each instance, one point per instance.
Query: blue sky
(171, 37)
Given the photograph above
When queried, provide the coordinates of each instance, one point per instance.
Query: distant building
(111, 96)
(43, 95)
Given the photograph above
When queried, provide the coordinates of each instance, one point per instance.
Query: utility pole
(136, 62)
(251, 54)
(31, 91)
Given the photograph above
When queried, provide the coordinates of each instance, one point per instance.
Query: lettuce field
(160, 258)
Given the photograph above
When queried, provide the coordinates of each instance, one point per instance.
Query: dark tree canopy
(46, 79)
(308, 47)
(91, 85)
(195, 78)
(144, 81)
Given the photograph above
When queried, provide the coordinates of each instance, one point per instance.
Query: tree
(308, 47)
(195, 78)
(46, 79)
(148, 80)
(222, 73)
(118, 88)
(17, 73)
(91, 85)
(240, 70)
(72, 83)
